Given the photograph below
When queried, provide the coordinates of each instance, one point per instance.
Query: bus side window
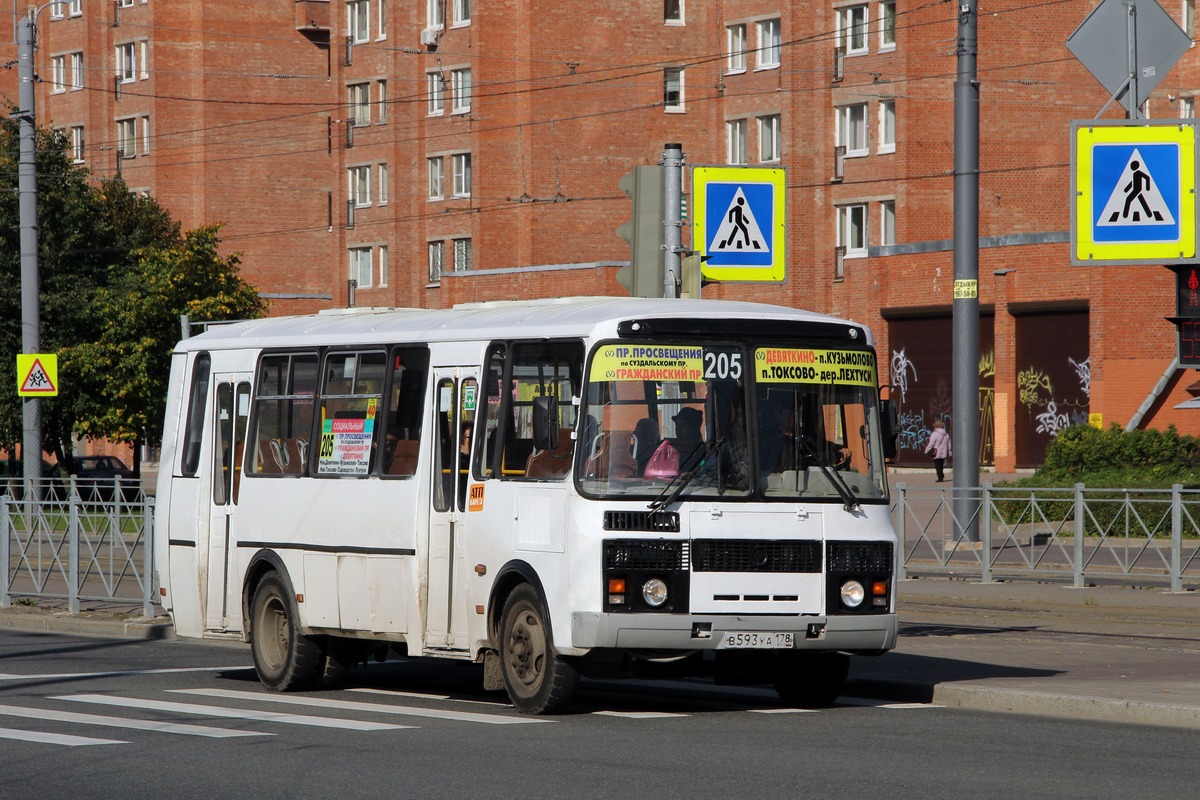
(282, 415)
(201, 371)
(405, 411)
(541, 369)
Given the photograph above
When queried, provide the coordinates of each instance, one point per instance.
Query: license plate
(756, 640)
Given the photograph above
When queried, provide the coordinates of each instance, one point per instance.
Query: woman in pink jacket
(939, 448)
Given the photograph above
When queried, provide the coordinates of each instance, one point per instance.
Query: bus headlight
(853, 594)
(654, 592)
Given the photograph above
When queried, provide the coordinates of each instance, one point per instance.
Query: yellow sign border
(777, 177)
(49, 362)
(1087, 251)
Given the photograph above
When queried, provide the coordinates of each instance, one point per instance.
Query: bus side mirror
(545, 423)
(890, 418)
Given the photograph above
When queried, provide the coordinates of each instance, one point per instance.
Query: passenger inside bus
(644, 441)
(687, 438)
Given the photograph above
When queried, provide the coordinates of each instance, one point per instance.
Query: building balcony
(312, 17)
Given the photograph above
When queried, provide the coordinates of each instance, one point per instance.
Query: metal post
(31, 337)
(73, 551)
(901, 514)
(1131, 53)
(148, 573)
(1080, 511)
(985, 549)
(1176, 537)
(672, 194)
(5, 535)
(966, 279)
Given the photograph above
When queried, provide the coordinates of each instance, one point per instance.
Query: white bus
(602, 487)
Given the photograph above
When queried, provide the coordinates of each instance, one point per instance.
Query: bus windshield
(738, 420)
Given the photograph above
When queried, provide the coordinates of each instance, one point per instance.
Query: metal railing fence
(1128, 536)
(77, 542)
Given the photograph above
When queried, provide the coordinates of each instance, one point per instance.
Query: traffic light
(644, 232)
(1187, 314)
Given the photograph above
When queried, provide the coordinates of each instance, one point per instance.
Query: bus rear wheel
(810, 680)
(285, 659)
(537, 680)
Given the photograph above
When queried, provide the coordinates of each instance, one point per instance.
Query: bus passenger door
(230, 412)
(455, 394)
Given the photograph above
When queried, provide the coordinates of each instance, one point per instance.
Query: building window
(887, 24)
(382, 103)
(358, 20)
(852, 29)
(126, 3)
(127, 62)
(735, 44)
(75, 8)
(76, 71)
(673, 88)
(462, 12)
(360, 266)
(1187, 107)
(127, 138)
(437, 257)
(887, 222)
(383, 265)
(768, 43)
(736, 129)
(383, 184)
(435, 90)
(56, 10)
(887, 126)
(58, 74)
(145, 135)
(435, 178)
(360, 103)
(77, 144)
(144, 60)
(852, 129)
(382, 20)
(673, 12)
(768, 138)
(852, 229)
(461, 167)
(1189, 18)
(360, 186)
(434, 14)
(462, 255)
(460, 91)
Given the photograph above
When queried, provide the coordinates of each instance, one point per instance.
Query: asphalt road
(207, 729)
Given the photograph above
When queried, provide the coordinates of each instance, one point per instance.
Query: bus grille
(856, 557)
(738, 555)
(653, 521)
(645, 555)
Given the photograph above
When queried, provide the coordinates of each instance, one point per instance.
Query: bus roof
(525, 319)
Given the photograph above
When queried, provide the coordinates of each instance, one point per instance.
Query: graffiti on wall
(1052, 414)
(900, 369)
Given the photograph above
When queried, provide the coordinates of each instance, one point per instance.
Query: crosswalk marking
(231, 713)
(375, 708)
(638, 714)
(53, 738)
(123, 722)
(867, 702)
(10, 676)
(783, 711)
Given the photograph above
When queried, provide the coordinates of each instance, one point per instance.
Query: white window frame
(887, 25)
(735, 44)
(437, 177)
(673, 105)
(436, 250)
(852, 131)
(436, 90)
(852, 229)
(735, 141)
(1189, 18)
(462, 253)
(460, 170)
(770, 44)
(143, 60)
(145, 120)
(361, 268)
(75, 8)
(76, 134)
(127, 62)
(127, 137)
(887, 126)
(126, 3)
(382, 25)
(56, 9)
(381, 103)
(358, 21)
(852, 27)
(382, 189)
(359, 185)
(887, 222)
(383, 265)
(462, 13)
(769, 141)
(433, 14)
(76, 71)
(58, 74)
(1187, 107)
(673, 12)
(460, 90)
(360, 103)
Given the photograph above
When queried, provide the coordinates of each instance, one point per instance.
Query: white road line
(637, 714)
(53, 738)
(8, 676)
(783, 711)
(375, 708)
(393, 693)
(866, 702)
(122, 722)
(230, 713)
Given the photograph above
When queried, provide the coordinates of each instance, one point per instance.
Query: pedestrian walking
(939, 447)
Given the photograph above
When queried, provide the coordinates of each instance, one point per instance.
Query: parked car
(95, 478)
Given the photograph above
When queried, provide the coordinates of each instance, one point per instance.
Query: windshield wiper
(686, 473)
(835, 477)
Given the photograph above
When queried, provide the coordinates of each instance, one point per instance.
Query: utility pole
(672, 235)
(965, 406)
(31, 335)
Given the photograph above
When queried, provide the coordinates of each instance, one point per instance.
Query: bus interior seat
(404, 458)
(295, 453)
(554, 463)
(270, 457)
(611, 460)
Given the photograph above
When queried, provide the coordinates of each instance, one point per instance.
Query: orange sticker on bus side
(475, 497)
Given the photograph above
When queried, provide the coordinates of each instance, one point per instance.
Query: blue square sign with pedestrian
(1135, 192)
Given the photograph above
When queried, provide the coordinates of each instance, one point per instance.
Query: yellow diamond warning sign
(37, 375)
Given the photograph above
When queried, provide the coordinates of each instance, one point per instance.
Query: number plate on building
(754, 640)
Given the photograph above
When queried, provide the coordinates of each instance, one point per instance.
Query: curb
(142, 628)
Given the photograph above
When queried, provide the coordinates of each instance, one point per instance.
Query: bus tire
(537, 679)
(810, 680)
(285, 659)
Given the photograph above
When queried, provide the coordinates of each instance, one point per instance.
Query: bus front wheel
(538, 681)
(810, 680)
(285, 659)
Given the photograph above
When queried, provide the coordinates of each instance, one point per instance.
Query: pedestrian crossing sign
(37, 374)
(1135, 193)
(739, 223)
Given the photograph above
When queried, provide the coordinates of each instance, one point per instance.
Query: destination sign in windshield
(804, 365)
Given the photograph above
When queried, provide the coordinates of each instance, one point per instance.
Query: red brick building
(443, 151)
